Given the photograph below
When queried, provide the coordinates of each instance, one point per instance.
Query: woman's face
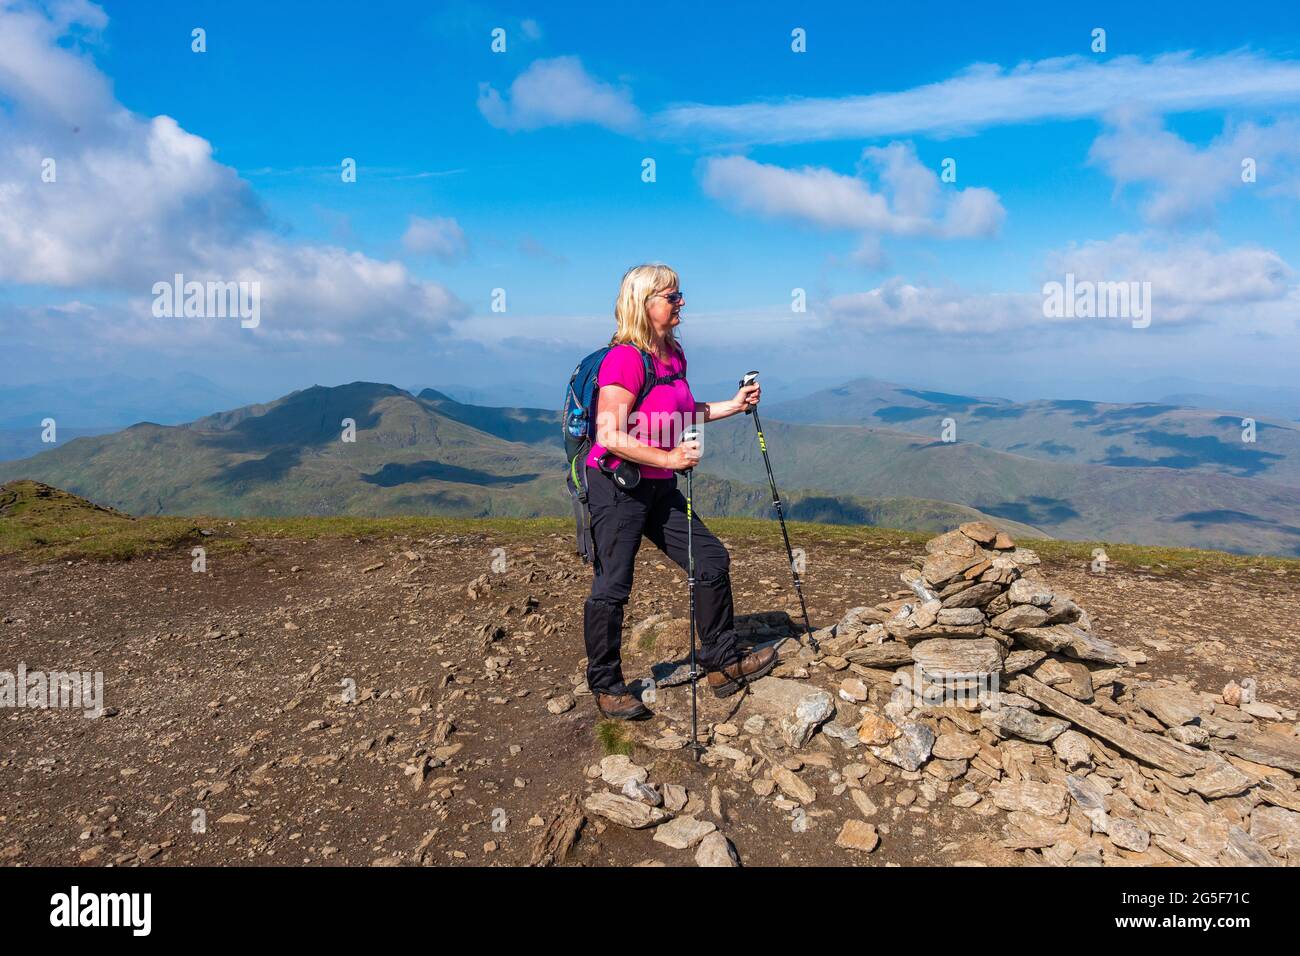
(665, 314)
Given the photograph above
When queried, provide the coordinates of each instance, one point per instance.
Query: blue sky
(775, 170)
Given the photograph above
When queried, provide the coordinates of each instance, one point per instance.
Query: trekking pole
(749, 379)
(692, 434)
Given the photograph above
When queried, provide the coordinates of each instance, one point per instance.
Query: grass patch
(646, 642)
(46, 524)
(613, 738)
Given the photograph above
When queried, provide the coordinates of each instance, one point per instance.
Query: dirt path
(227, 693)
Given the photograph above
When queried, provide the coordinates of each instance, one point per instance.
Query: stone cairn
(986, 688)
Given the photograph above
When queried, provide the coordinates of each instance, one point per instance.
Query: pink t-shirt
(663, 415)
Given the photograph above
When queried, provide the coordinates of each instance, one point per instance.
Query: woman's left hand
(748, 396)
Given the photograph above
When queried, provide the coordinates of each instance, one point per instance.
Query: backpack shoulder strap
(652, 380)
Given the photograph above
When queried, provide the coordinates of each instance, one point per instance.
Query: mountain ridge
(1126, 435)
(413, 454)
(429, 454)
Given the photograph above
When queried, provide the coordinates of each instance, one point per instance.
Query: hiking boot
(622, 707)
(748, 669)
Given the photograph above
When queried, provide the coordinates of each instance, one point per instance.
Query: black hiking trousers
(657, 510)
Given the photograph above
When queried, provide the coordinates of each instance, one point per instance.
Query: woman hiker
(648, 309)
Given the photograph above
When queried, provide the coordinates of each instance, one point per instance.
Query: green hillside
(412, 455)
(427, 455)
(289, 457)
(51, 523)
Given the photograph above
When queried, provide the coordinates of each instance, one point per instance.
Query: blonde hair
(639, 284)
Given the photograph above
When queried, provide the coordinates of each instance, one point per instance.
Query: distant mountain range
(866, 452)
(413, 454)
(1146, 435)
(1275, 401)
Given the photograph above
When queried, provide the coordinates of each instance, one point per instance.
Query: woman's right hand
(684, 457)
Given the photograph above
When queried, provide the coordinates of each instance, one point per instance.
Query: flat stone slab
(777, 696)
(945, 655)
(617, 770)
(956, 747)
(682, 833)
(1042, 799)
(888, 654)
(1020, 616)
(858, 835)
(1008, 721)
(1157, 751)
(1271, 750)
(626, 813)
(977, 595)
(672, 673)
(1222, 780)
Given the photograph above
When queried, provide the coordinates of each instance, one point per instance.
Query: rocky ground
(408, 701)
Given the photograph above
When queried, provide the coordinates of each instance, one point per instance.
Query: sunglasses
(673, 298)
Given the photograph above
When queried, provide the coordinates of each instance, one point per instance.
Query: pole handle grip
(689, 433)
(748, 379)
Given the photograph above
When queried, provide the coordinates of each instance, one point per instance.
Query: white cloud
(68, 90)
(346, 293)
(440, 236)
(1187, 183)
(1193, 282)
(812, 194)
(911, 203)
(986, 95)
(134, 198)
(900, 306)
(557, 92)
(137, 199)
